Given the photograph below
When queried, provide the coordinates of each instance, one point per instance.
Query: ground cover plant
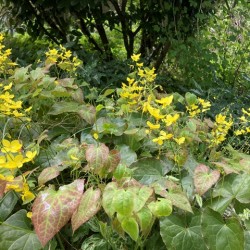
(126, 168)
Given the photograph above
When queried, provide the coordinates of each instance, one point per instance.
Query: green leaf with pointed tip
(16, 233)
(161, 207)
(89, 205)
(190, 98)
(124, 201)
(53, 209)
(130, 226)
(48, 174)
(204, 179)
(97, 155)
(177, 235)
(64, 107)
(142, 195)
(108, 198)
(128, 156)
(7, 204)
(145, 219)
(219, 234)
(122, 171)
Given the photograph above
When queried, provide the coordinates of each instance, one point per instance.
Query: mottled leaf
(88, 113)
(219, 234)
(97, 155)
(53, 209)
(48, 174)
(64, 107)
(89, 205)
(204, 179)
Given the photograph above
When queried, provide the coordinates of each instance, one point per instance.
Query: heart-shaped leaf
(108, 198)
(130, 226)
(204, 179)
(48, 174)
(88, 207)
(145, 219)
(97, 155)
(53, 209)
(16, 233)
(161, 207)
(177, 235)
(124, 202)
(221, 235)
(88, 113)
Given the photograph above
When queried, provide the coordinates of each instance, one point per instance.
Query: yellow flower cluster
(63, 58)
(220, 130)
(12, 158)
(244, 122)
(199, 107)
(6, 65)
(8, 106)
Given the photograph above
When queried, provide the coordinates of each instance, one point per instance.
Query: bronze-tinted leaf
(204, 179)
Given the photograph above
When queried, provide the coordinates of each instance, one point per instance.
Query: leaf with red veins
(48, 174)
(53, 209)
(204, 179)
(97, 155)
(90, 204)
(114, 159)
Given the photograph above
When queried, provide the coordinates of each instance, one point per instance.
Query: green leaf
(148, 170)
(48, 174)
(142, 195)
(108, 197)
(247, 240)
(123, 202)
(204, 179)
(64, 107)
(88, 207)
(121, 172)
(180, 236)
(161, 207)
(145, 219)
(234, 186)
(128, 156)
(7, 204)
(190, 98)
(16, 233)
(219, 234)
(53, 209)
(130, 226)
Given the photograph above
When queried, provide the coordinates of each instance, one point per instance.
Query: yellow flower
(180, 140)
(245, 112)
(7, 87)
(221, 119)
(165, 136)
(29, 156)
(154, 112)
(170, 119)
(29, 215)
(14, 161)
(135, 58)
(27, 196)
(11, 146)
(165, 101)
(153, 126)
(158, 140)
(139, 64)
(6, 178)
(95, 135)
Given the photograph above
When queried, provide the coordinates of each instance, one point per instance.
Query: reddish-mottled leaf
(89, 205)
(113, 160)
(88, 113)
(48, 174)
(97, 155)
(204, 179)
(53, 209)
(2, 187)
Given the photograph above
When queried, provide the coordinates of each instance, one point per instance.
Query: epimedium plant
(132, 165)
